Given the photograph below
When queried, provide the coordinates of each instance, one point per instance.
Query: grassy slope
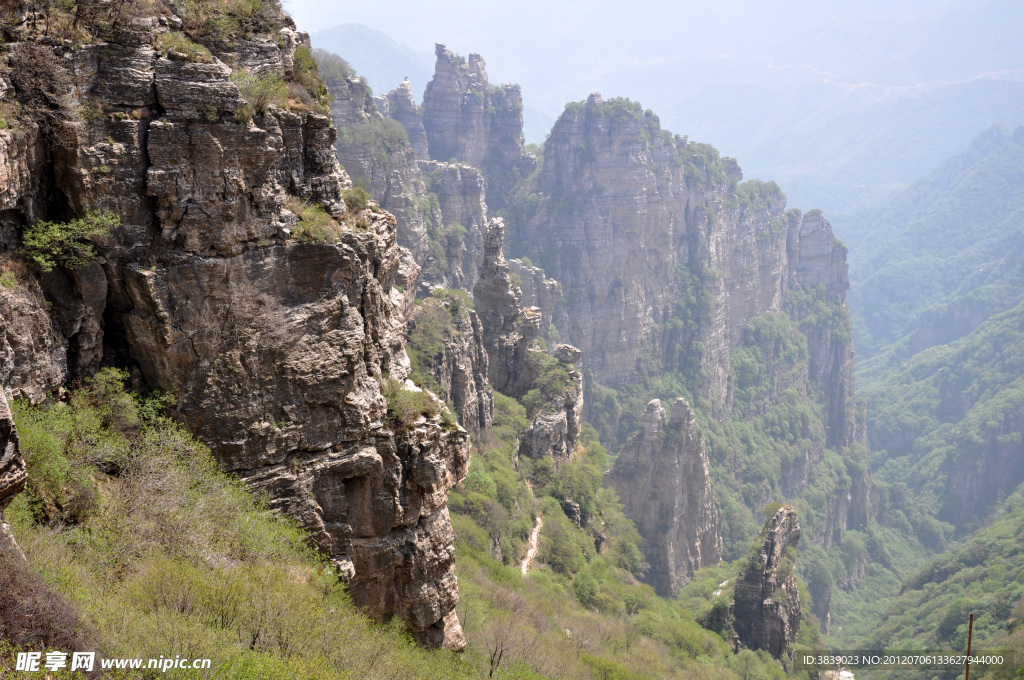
(128, 519)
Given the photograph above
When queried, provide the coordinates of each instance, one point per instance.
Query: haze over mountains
(840, 103)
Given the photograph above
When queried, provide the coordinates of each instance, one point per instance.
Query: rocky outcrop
(469, 120)
(13, 474)
(33, 352)
(766, 612)
(402, 107)
(509, 330)
(555, 428)
(446, 338)
(663, 479)
(537, 290)
(377, 154)
(276, 345)
(457, 247)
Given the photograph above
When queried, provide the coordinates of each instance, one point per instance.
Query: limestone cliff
(663, 478)
(238, 279)
(439, 206)
(508, 330)
(636, 223)
(457, 240)
(376, 153)
(517, 359)
(664, 257)
(766, 613)
(447, 349)
(401, 105)
(467, 119)
(558, 424)
(537, 290)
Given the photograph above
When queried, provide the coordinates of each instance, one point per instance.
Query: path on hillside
(531, 552)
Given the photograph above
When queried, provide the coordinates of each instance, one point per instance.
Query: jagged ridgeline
(667, 273)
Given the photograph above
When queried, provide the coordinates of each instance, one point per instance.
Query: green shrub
(356, 199)
(225, 21)
(315, 223)
(332, 67)
(8, 279)
(259, 92)
(179, 42)
(307, 74)
(405, 406)
(67, 244)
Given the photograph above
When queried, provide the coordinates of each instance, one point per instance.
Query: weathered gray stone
(766, 611)
(663, 479)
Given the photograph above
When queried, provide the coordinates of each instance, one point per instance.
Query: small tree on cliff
(67, 244)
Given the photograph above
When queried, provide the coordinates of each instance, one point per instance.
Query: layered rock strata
(455, 361)
(376, 154)
(766, 612)
(275, 346)
(663, 478)
(467, 119)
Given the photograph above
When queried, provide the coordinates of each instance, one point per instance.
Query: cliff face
(636, 223)
(664, 258)
(457, 244)
(402, 107)
(663, 479)
(767, 607)
(468, 119)
(374, 151)
(275, 346)
(440, 207)
(508, 332)
(446, 344)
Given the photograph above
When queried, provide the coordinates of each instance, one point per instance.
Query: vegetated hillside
(935, 296)
(984, 576)
(937, 299)
(949, 424)
(933, 262)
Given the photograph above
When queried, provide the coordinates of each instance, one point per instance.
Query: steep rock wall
(468, 119)
(446, 339)
(13, 474)
(663, 478)
(664, 257)
(766, 612)
(275, 348)
(373, 152)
